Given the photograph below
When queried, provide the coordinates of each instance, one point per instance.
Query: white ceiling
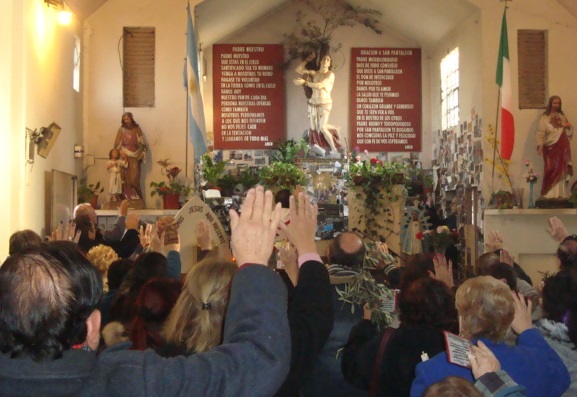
(424, 21)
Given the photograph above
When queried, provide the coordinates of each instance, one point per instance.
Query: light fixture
(64, 13)
(58, 4)
(44, 139)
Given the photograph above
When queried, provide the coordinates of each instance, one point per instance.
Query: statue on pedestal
(320, 82)
(553, 143)
(130, 142)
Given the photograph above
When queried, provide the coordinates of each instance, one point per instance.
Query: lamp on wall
(43, 139)
(64, 13)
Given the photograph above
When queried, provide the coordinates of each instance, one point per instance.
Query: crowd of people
(108, 313)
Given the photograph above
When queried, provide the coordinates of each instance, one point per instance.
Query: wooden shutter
(532, 53)
(138, 67)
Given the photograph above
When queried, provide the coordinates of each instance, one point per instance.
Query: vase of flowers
(530, 177)
(438, 239)
(172, 190)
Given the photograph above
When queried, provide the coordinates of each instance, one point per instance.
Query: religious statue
(114, 166)
(320, 103)
(553, 142)
(130, 142)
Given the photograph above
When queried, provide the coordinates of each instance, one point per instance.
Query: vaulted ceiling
(424, 21)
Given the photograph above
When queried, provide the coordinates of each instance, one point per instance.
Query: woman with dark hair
(487, 308)
(153, 305)
(427, 308)
(146, 267)
(130, 142)
(559, 324)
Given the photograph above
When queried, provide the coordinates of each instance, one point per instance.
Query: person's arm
(116, 233)
(499, 384)
(125, 247)
(310, 314)
(491, 380)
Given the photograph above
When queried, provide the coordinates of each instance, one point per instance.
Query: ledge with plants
(373, 183)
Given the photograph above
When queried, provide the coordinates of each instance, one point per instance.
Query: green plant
(428, 178)
(249, 177)
(164, 188)
(364, 288)
(282, 176)
(212, 171)
(375, 179)
(286, 152)
(86, 191)
(173, 186)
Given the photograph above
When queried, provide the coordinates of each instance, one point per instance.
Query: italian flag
(504, 82)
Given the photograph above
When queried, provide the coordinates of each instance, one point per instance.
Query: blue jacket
(532, 363)
(252, 361)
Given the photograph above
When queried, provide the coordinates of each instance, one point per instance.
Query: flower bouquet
(530, 176)
(438, 239)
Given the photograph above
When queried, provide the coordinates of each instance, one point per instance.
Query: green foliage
(364, 289)
(376, 181)
(86, 191)
(287, 151)
(282, 176)
(164, 188)
(212, 171)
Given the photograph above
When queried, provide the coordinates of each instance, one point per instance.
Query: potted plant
(211, 171)
(278, 176)
(172, 190)
(428, 181)
(89, 192)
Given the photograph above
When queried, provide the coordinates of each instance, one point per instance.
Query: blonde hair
(102, 257)
(485, 307)
(197, 317)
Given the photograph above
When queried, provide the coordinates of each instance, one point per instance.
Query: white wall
(562, 36)
(164, 125)
(270, 29)
(36, 89)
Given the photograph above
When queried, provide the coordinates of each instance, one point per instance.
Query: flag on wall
(196, 125)
(504, 82)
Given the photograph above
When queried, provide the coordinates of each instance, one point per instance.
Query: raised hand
(505, 257)
(443, 270)
(494, 241)
(303, 223)
(557, 229)
(131, 221)
(66, 232)
(289, 257)
(254, 230)
(145, 235)
(123, 208)
(203, 239)
(522, 320)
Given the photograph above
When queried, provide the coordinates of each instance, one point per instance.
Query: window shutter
(532, 53)
(138, 67)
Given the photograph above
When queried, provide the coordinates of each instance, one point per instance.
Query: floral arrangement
(172, 186)
(530, 176)
(439, 238)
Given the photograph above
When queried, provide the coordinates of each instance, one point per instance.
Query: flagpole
(495, 139)
(495, 151)
(186, 134)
